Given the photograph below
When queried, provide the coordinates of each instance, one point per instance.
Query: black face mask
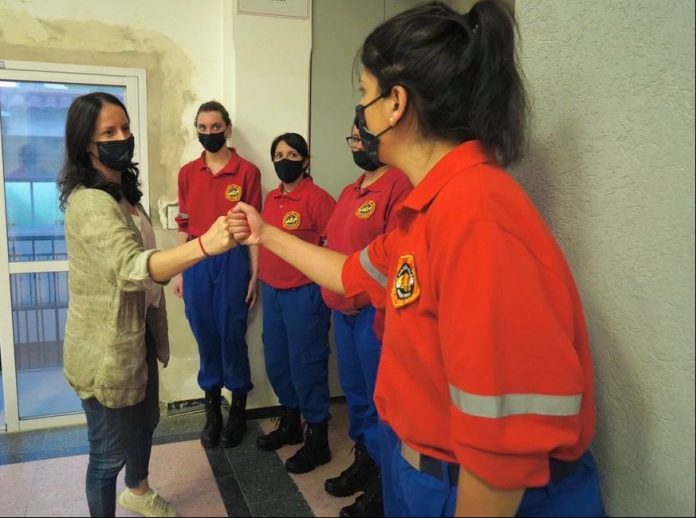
(288, 170)
(116, 154)
(370, 141)
(212, 141)
(363, 161)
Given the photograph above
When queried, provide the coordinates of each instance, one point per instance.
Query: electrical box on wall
(168, 211)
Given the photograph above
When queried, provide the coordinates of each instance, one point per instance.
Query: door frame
(133, 79)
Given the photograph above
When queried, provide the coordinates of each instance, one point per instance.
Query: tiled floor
(42, 473)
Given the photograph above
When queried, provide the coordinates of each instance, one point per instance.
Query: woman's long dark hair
(77, 169)
(460, 72)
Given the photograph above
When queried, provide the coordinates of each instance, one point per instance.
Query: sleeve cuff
(140, 272)
(348, 275)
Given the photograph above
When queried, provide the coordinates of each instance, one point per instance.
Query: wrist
(266, 234)
(202, 248)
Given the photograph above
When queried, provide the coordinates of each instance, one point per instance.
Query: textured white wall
(611, 165)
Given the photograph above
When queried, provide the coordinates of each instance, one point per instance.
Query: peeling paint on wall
(169, 70)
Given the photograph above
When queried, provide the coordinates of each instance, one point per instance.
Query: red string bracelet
(200, 243)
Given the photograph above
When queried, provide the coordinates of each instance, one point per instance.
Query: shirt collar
(231, 167)
(297, 193)
(462, 157)
(374, 186)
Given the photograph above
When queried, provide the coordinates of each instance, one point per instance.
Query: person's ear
(396, 103)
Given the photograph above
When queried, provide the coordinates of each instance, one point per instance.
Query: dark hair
(213, 106)
(77, 169)
(295, 141)
(460, 72)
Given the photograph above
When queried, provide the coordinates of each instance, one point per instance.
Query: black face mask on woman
(363, 161)
(370, 141)
(288, 170)
(116, 154)
(212, 141)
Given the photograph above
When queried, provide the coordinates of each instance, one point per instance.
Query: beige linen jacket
(104, 347)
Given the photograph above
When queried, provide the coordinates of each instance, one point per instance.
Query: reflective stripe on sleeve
(495, 407)
(369, 268)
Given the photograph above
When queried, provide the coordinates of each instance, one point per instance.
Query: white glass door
(33, 259)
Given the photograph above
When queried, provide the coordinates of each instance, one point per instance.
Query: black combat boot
(355, 477)
(370, 502)
(315, 451)
(210, 436)
(236, 425)
(288, 431)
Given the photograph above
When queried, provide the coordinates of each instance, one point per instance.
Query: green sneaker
(149, 504)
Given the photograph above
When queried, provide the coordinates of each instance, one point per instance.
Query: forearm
(477, 498)
(254, 261)
(165, 264)
(320, 264)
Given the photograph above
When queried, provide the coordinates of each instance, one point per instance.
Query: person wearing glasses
(486, 376)
(364, 210)
(295, 318)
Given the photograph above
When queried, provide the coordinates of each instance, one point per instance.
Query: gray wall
(339, 29)
(611, 165)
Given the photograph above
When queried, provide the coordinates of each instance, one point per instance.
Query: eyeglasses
(353, 141)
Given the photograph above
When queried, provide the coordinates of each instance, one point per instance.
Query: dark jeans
(118, 437)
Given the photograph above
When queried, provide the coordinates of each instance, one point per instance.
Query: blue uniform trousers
(358, 351)
(214, 296)
(421, 494)
(387, 443)
(296, 348)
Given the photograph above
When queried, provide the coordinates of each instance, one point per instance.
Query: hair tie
(471, 29)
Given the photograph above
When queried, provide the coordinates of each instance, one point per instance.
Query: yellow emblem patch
(366, 210)
(233, 192)
(406, 288)
(292, 220)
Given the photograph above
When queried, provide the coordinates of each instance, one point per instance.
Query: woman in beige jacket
(117, 323)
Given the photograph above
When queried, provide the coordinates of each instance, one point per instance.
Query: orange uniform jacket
(485, 360)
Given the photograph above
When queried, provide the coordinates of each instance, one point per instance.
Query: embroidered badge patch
(292, 220)
(366, 210)
(233, 192)
(406, 288)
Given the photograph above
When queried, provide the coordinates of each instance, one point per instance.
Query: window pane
(39, 310)
(32, 122)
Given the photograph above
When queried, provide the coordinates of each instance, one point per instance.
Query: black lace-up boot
(315, 451)
(236, 426)
(355, 477)
(370, 502)
(210, 436)
(288, 431)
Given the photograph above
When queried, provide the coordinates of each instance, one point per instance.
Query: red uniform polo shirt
(360, 215)
(485, 359)
(302, 212)
(204, 197)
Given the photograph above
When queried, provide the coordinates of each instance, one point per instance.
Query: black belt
(559, 469)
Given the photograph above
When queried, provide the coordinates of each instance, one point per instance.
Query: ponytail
(460, 71)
